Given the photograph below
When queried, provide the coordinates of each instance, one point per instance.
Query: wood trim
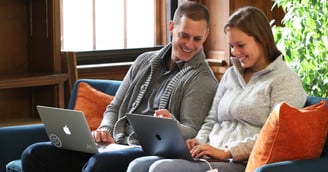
(216, 45)
(70, 66)
(218, 67)
(55, 30)
(35, 80)
(161, 22)
(111, 56)
(104, 71)
(29, 80)
(217, 62)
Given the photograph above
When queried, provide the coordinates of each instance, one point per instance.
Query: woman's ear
(206, 34)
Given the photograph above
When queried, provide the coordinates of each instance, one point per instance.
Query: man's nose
(190, 43)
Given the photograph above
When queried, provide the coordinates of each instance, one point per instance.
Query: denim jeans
(43, 157)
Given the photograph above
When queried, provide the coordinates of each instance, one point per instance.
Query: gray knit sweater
(188, 95)
(239, 110)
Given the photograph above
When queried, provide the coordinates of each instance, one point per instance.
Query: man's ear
(171, 27)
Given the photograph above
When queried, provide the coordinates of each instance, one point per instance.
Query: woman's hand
(162, 113)
(102, 137)
(191, 143)
(207, 150)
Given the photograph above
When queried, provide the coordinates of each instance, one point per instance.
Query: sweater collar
(193, 62)
(271, 67)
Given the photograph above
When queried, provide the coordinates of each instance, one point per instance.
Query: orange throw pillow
(290, 134)
(92, 102)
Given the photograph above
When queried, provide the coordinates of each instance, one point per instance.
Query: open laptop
(67, 129)
(160, 136)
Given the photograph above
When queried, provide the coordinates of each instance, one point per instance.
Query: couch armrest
(14, 139)
(317, 165)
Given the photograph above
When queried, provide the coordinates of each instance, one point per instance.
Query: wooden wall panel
(30, 44)
(265, 5)
(14, 104)
(13, 31)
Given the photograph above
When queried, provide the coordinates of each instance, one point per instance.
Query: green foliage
(304, 41)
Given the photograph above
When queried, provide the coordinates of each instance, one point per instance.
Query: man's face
(187, 38)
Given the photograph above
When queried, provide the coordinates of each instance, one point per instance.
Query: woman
(258, 80)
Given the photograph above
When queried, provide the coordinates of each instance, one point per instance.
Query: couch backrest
(107, 86)
(325, 149)
(311, 100)
(314, 100)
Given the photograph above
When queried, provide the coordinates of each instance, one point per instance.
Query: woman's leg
(181, 165)
(142, 164)
(229, 166)
(44, 157)
(116, 161)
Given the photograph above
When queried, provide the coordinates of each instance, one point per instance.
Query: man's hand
(162, 113)
(102, 137)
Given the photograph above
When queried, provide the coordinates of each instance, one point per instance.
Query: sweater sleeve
(196, 102)
(212, 117)
(111, 114)
(210, 120)
(289, 89)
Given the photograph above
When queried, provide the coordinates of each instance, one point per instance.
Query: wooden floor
(6, 123)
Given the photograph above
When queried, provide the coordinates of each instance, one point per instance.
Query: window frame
(111, 56)
(163, 10)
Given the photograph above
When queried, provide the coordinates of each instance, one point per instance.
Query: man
(174, 82)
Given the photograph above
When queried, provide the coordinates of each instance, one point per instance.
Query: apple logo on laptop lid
(66, 130)
(158, 137)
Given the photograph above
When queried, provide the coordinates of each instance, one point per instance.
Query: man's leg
(44, 157)
(116, 161)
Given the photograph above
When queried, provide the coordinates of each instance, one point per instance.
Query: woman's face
(248, 51)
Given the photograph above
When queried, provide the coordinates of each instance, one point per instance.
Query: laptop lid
(67, 129)
(159, 136)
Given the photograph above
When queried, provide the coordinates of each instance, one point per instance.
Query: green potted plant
(303, 39)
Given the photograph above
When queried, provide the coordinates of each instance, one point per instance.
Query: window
(113, 24)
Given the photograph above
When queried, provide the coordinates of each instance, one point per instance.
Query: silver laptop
(160, 136)
(67, 129)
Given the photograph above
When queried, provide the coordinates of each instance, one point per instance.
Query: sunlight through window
(107, 24)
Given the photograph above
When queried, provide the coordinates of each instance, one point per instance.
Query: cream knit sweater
(239, 110)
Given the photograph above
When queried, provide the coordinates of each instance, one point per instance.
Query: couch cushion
(92, 102)
(14, 166)
(289, 134)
